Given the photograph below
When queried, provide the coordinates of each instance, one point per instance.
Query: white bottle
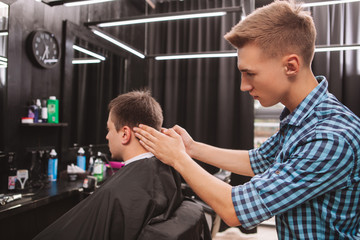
(44, 111)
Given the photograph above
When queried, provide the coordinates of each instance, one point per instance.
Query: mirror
(4, 20)
(96, 81)
(94, 74)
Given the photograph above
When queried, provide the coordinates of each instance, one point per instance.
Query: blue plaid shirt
(308, 173)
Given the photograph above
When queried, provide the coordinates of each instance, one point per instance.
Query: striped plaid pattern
(308, 173)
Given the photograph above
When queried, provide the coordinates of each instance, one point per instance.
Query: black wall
(26, 81)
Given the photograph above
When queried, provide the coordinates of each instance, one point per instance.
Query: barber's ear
(125, 135)
(291, 65)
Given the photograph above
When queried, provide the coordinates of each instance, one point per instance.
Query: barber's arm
(170, 149)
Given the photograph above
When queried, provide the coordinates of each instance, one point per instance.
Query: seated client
(143, 192)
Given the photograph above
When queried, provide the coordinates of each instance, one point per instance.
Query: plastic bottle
(11, 172)
(99, 168)
(53, 110)
(52, 165)
(44, 111)
(91, 166)
(92, 158)
(39, 110)
(33, 111)
(81, 159)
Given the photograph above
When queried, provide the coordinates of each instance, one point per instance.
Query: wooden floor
(264, 232)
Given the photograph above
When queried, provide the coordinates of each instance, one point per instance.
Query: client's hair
(132, 108)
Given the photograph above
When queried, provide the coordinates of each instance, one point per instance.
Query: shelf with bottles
(44, 124)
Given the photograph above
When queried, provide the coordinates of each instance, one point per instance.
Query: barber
(308, 173)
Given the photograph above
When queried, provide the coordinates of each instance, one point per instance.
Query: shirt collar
(139, 157)
(306, 106)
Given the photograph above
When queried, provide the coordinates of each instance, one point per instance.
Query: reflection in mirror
(4, 13)
(4, 9)
(98, 76)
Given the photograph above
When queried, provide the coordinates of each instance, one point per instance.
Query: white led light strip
(220, 55)
(3, 64)
(325, 3)
(160, 19)
(85, 61)
(72, 4)
(116, 42)
(337, 48)
(189, 56)
(83, 50)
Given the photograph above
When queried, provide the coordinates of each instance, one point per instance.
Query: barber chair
(213, 219)
(187, 222)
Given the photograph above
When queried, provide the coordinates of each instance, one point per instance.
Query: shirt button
(277, 172)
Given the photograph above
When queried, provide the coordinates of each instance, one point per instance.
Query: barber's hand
(186, 138)
(166, 146)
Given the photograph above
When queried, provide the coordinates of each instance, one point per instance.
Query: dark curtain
(201, 95)
(95, 85)
(339, 24)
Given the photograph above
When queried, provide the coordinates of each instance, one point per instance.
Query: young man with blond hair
(308, 173)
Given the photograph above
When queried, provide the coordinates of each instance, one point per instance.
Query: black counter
(26, 217)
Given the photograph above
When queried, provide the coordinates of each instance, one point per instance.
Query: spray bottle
(81, 159)
(52, 165)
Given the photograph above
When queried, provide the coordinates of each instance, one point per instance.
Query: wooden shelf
(44, 124)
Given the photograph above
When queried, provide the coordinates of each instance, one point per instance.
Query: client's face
(114, 140)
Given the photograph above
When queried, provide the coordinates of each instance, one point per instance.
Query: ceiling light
(71, 4)
(234, 54)
(201, 55)
(337, 48)
(213, 12)
(3, 64)
(116, 42)
(83, 50)
(325, 3)
(4, 33)
(160, 19)
(4, 59)
(85, 61)
(50, 61)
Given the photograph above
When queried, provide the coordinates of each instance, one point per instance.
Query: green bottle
(53, 110)
(99, 168)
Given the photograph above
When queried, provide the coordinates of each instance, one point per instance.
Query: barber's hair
(132, 108)
(279, 28)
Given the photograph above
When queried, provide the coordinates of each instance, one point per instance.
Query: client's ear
(125, 135)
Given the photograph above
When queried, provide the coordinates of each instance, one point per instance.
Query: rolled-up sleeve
(248, 205)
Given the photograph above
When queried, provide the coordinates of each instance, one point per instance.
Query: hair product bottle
(52, 165)
(99, 168)
(81, 159)
(53, 110)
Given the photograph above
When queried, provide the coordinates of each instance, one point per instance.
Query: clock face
(45, 49)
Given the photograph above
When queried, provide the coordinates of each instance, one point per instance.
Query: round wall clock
(44, 48)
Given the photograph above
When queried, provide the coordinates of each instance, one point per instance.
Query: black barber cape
(143, 193)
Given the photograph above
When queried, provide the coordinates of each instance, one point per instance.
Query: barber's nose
(245, 86)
